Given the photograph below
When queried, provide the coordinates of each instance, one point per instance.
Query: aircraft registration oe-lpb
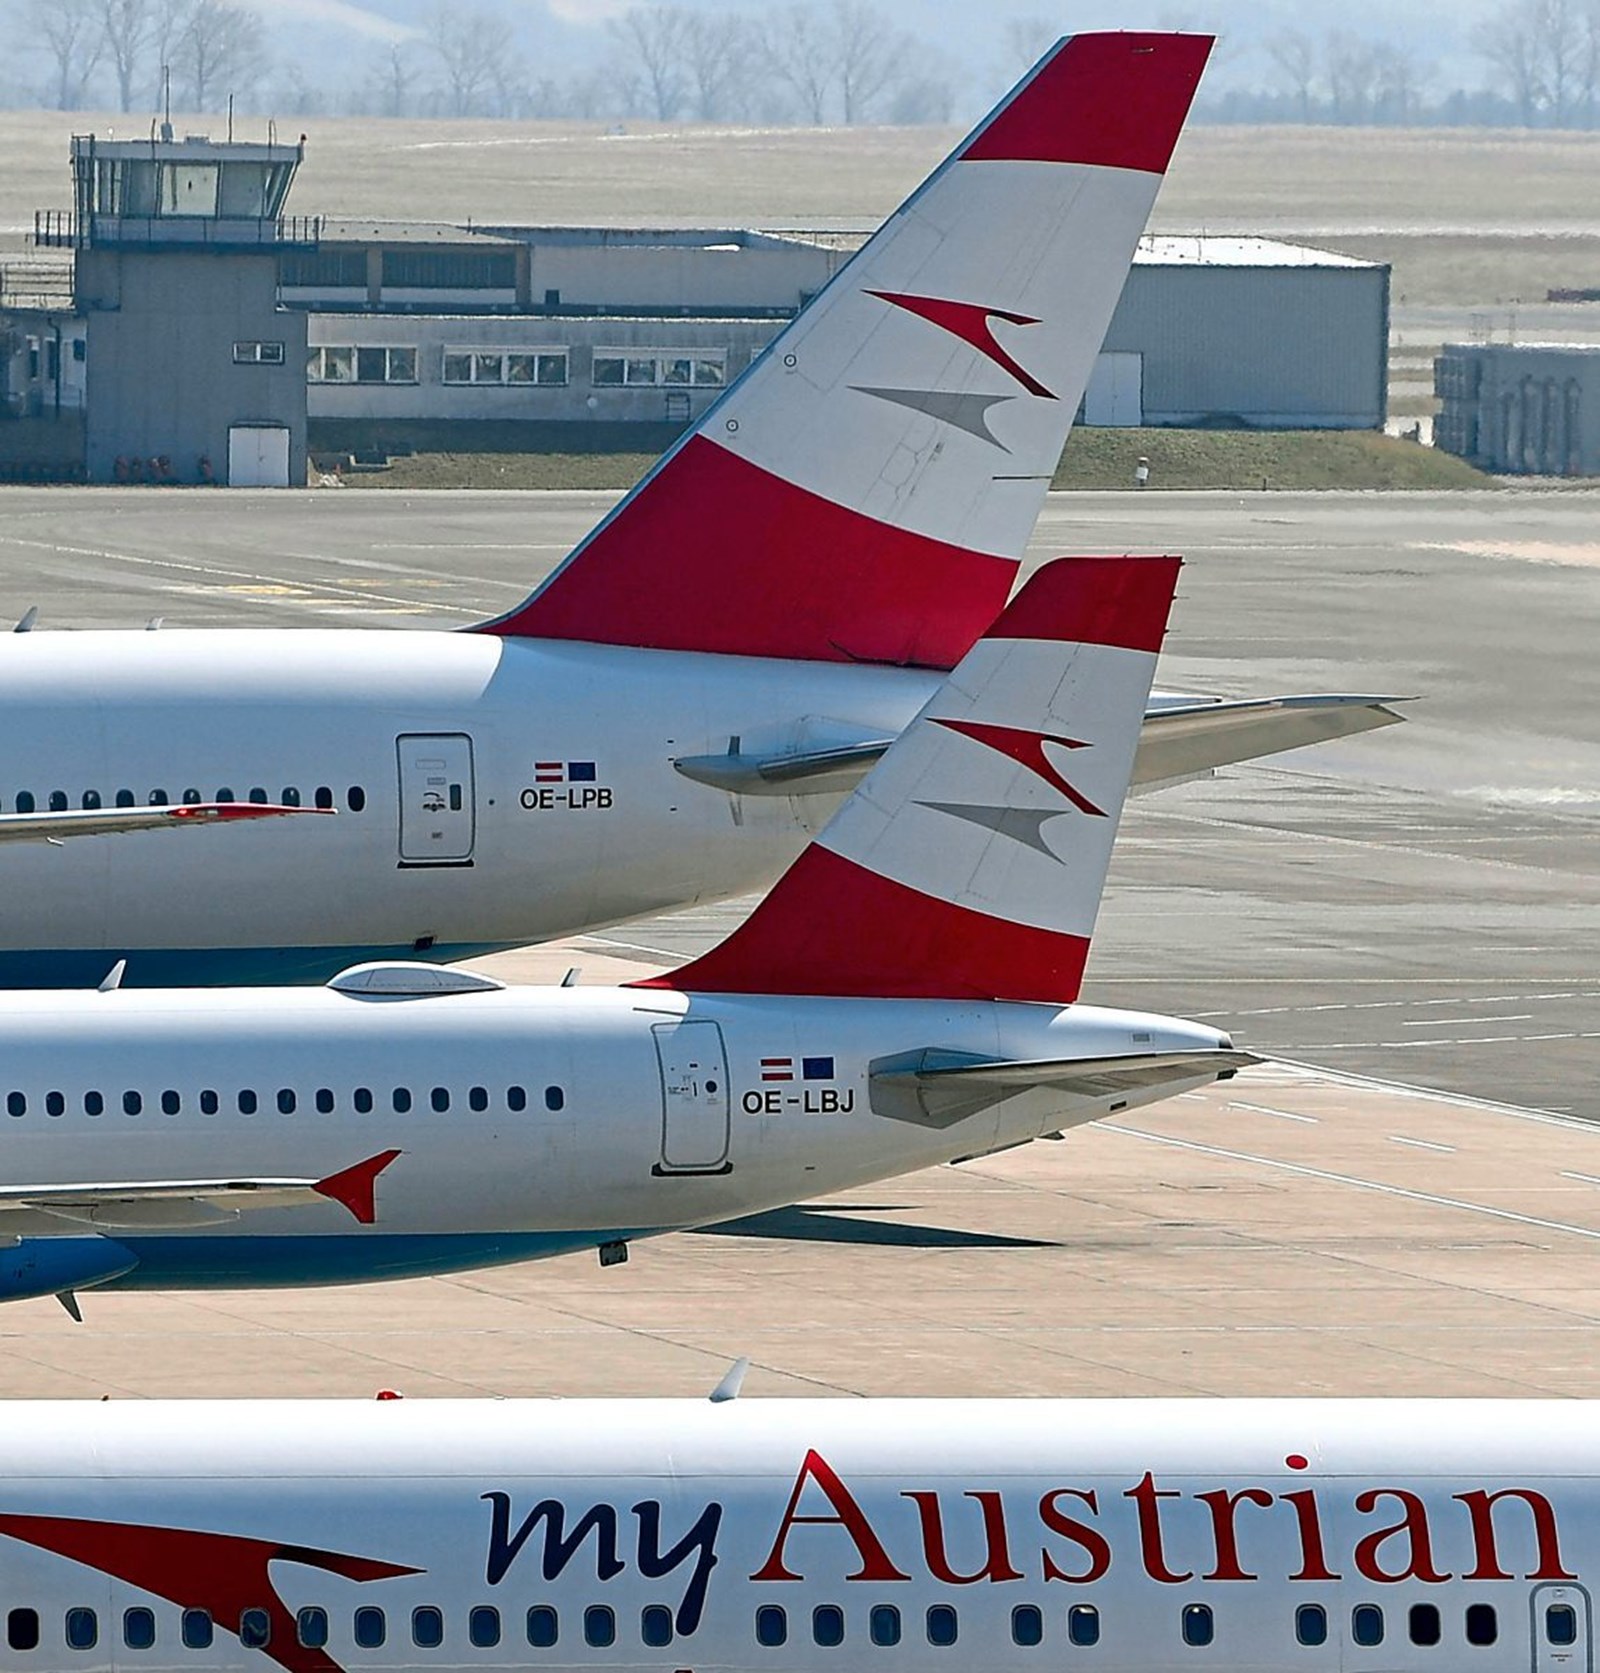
(998, 1536)
(685, 699)
(903, 997)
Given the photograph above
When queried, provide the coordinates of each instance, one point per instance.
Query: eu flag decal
(816, 1068)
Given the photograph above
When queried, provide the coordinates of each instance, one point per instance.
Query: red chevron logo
(970, 322)
(1027, 748)
(224, 1574)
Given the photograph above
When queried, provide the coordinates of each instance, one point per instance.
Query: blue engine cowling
(48, 1265)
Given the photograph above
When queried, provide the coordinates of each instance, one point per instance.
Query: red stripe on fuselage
(1109, 101)
(716, 554)
(833, 928)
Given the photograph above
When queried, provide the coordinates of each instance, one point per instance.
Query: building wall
(1278, 348)
(433, 338)
(162, 375)
(1522, 409)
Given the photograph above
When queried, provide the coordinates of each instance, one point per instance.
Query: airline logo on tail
(970, 322)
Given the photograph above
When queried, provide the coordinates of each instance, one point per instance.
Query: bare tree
(1027, 40)
(1512, 50)
(717, 54)
(868, 57)
(1295, 57)
(1352, 76)
(69, 31)
(128, 31)
(394, 80)
(1398, 84)
(799, 56)
(470, 44)
(219, 47)
(656, 40)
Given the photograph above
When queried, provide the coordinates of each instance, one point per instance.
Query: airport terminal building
(193, 332)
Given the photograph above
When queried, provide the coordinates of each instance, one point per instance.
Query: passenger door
(438, 817)
(694, 1097)
(1561, 1630)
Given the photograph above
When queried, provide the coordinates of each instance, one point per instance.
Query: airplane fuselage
(529, 1121)
(489, 792)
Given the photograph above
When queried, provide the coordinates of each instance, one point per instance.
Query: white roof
(1189, 250)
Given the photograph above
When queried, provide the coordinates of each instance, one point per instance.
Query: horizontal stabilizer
(114, 821)
(1182, 742)
(939, 1088)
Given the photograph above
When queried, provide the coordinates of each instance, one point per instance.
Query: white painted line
(1460, 1100)
(1582, 1178)
(1423, 1144)
(1267, 1109)
(1349, 1179)
(1452, 1022)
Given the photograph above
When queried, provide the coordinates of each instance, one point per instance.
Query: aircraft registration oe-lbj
(903, 997)
(685, 699)
(993, 1536)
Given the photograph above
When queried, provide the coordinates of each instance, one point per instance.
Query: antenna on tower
(230, 119)
(166, 104)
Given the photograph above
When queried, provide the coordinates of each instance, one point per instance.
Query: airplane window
(208, 1102)
(554, 1098)
(440, 1099)
(599, 1626)
(478, 1098)
(355, 798)
(22, 1629)
(290, 797)
(1311, 1624)
(248, 1102)
(883, 1625)
(362, 1099)
(402, 1099)
(655, 1626)
(543, 1626)
(24, 801)
(1561, 1624)
(323, 797)
(1366, 1625)
(226, 795)
(311, 1628)
(171, 1103)
(286, 1100)
(91, 798)
(124, 798)
(58, 801)
(83, 1629)
(1083, 1624)
(1424, 1623)
(1198, 1626)
(192, 797)
(197, 1629)
(54, 1104)
(427, 1627)
(16, 1103)
(1482, 1627)
(258, 794)
(941, 1624)
(516, 1098)
(324, 1101)
(158, 798)
(827, 1625)
(132, 1103)
(483, 1627)
(370, 1628)
(94, 1103)
(255, 1629)
(1027, 1625)
(139, 1629)
(772, 1626)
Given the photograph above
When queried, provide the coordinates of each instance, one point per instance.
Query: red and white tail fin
(865, 491)
(969, 863)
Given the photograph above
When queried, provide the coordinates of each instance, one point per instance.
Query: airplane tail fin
(865, 492)
(969, 864)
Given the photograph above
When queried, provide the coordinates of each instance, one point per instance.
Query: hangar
(1523, 408)
(173, 333)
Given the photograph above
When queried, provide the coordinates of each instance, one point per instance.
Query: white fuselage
(489, 792)
(990, 1536)
(530, 1121)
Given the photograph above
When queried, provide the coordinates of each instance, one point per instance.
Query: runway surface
(1421, 906)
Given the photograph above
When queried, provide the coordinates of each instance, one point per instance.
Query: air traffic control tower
(193, 372)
